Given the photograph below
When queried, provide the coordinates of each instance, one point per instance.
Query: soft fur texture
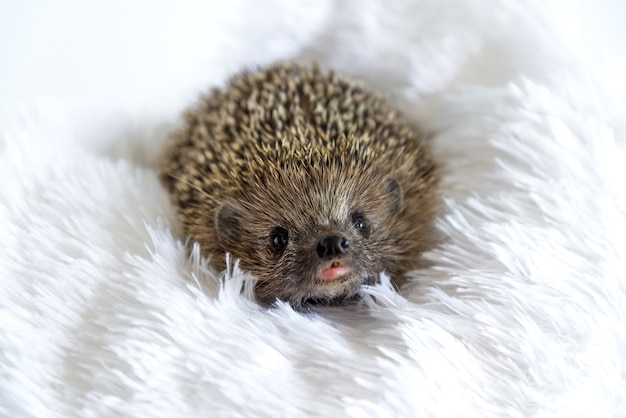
(521, 310)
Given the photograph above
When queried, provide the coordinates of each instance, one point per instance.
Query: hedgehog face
(313, 235)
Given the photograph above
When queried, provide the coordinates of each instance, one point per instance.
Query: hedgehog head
(317, 220)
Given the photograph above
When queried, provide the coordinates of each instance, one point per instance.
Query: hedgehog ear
(228, 222)
(395, 195)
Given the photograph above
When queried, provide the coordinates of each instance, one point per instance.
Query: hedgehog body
(313, 182)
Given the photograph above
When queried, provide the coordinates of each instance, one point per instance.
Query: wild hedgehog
(314, 183)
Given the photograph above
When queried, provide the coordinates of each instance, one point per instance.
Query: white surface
(523, 311)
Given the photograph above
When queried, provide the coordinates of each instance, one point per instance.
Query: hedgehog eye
(358, 222)
(279, 239)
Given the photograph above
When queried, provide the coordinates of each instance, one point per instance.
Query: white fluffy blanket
(521, 312)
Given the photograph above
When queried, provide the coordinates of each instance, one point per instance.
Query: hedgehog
(314, 183)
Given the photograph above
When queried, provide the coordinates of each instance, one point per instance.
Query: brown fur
(294, 147)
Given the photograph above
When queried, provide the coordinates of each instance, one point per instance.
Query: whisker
(391, 241)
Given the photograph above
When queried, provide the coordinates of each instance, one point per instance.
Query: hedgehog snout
(332, 246)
